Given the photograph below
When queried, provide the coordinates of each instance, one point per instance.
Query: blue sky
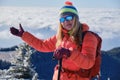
(58, 3)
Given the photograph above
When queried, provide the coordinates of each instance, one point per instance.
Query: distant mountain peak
(114, 50)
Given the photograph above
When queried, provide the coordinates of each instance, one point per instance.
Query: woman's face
(67, 22)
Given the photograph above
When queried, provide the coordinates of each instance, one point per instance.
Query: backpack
(94, 71)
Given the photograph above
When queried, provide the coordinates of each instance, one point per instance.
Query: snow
(7, 56)
(20, 68)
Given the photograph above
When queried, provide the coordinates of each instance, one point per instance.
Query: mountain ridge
(109, 67)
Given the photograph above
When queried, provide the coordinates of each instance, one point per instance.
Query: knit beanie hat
(68, 9)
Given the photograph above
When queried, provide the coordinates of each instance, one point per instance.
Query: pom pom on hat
(68, 3)
(68, 8)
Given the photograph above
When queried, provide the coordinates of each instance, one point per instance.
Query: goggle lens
(67, 18)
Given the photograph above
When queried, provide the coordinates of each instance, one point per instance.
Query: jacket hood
(85, 27)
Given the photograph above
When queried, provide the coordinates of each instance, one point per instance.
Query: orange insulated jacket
(80, 58)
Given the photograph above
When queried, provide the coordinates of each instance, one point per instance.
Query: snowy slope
(7, 56)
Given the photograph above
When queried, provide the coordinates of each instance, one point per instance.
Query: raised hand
(61, 52)
(17, 32)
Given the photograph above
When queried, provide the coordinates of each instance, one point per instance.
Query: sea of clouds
(43, 23)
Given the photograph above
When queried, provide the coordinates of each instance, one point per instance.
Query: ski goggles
(67, 18)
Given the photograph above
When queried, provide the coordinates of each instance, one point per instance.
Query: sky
(58, 3)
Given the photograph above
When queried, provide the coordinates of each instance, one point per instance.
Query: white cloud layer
(37, 20)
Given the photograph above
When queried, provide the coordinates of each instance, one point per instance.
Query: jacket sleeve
(47, 45)
(85, 58)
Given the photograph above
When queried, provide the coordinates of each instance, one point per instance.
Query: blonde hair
(76, 33)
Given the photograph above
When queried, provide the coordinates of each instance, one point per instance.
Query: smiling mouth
(69, 25)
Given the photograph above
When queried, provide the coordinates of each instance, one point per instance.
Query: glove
(17, 32)
(61, 52)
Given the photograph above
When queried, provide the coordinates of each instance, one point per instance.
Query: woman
(67, 44)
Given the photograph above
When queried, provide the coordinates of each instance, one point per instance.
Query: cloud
(29, 17)
(103, 21)
(36, 20)
(5, 35)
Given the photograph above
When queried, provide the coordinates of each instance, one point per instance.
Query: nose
(66, 21)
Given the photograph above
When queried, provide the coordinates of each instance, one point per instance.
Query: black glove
(17, 32)
(61, 52)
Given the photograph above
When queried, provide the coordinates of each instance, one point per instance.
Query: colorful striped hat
(68, 9)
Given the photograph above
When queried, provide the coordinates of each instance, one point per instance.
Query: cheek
(62, 24)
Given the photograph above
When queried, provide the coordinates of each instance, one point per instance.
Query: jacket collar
(85, 27)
